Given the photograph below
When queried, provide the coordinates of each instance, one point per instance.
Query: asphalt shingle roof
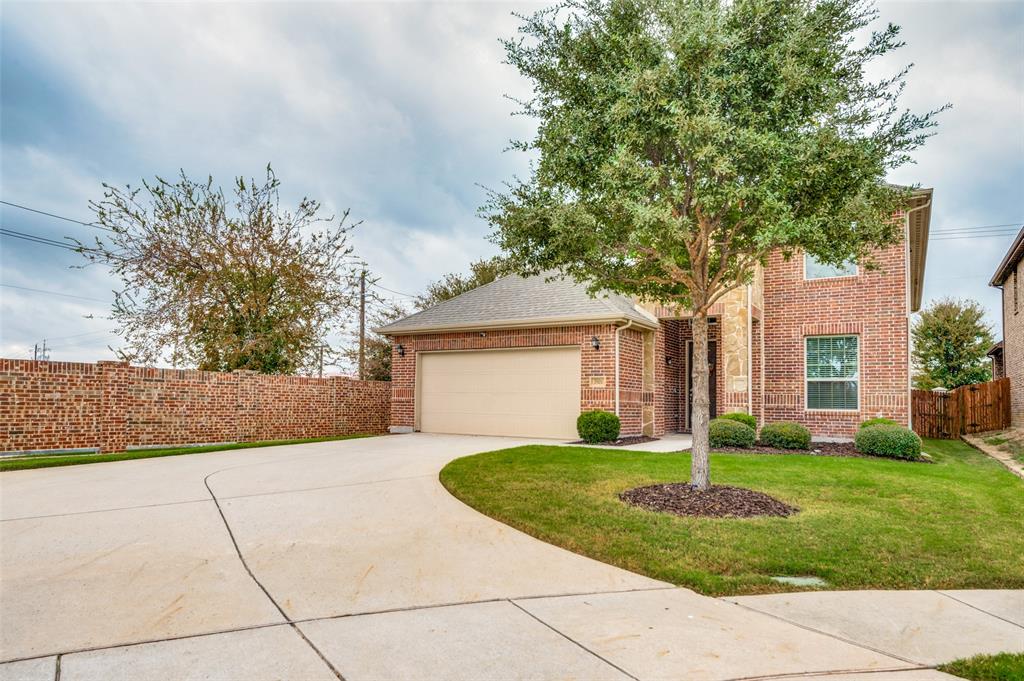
(521, 301)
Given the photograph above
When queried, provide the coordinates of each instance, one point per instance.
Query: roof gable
(546, 299)
(1009, 263)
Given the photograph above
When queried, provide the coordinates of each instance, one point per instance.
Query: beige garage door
(529, 393)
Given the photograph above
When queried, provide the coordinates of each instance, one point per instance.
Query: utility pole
(41, 354)
(321, 355)
(362, 322)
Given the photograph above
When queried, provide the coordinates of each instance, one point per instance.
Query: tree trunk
(700, 474)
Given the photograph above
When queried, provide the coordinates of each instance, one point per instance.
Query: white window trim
(856, 272)
(807, 379)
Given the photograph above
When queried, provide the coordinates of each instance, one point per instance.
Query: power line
(1000, 230)
(971, 236)
(992, 232)
(37, 239)
(55, 293)
(976, 227)
(54, 215)
(391, 290)
(80, 335)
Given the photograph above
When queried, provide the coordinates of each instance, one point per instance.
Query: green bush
(729, 433)
(887, 440)
(786, 435)
(743, 418)
(878, 422)
(598, 426)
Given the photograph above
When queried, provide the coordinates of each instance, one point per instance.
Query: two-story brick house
(827, 347)
(1008, 356)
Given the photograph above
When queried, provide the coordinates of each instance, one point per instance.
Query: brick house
(827, 347)
(1008, 356)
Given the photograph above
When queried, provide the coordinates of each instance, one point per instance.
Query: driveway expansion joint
(834, 672)
(574, 641)
(245, 564)
(859, 644)
(981, 610)
(325, 618)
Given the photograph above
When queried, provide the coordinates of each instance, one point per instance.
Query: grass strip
(44, 461)
(1001, 667)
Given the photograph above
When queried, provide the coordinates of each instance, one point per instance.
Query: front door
(712, 381)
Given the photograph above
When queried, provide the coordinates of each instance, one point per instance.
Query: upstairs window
(813, 269)
(832, 366)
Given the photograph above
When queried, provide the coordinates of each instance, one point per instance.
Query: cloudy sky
(394, 110)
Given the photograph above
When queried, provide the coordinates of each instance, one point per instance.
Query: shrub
(786, 435)
(730, 433)
(743, 418)
(598, 426)
(888, 440)
(878, 422)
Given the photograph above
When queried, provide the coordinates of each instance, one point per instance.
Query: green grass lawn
(1002, 667)
(864, 523)
(47, 461)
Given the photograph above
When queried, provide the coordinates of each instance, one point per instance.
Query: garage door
(529, 393)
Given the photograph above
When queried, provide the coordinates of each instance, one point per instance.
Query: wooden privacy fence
(968, 409)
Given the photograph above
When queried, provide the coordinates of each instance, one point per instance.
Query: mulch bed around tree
(621, 442)
(718, 501)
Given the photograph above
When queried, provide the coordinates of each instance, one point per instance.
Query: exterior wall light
(401, 350)
(595, 343)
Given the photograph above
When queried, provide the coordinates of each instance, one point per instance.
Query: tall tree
(682, 141)
(951, 342)
(223, 284)
(481, 272)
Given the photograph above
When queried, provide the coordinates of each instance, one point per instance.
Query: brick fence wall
(113, 406)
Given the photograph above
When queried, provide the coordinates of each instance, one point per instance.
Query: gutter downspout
(910, 363)
(617, 330)
(750, 354)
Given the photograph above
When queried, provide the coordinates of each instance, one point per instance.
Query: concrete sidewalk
(349, 560)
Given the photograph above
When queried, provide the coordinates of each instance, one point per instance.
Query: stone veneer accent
(112, 406)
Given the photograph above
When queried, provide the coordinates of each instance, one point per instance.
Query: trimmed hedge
(878, 422)
(786, 435)
(745, 419)
(729, 433)
(895, 442)
(598, 426)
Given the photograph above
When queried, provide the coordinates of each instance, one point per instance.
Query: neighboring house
(1010, 355)
(827, 347)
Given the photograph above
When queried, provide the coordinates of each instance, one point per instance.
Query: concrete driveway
(349, 560)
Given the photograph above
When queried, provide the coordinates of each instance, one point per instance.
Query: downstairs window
(832, 371)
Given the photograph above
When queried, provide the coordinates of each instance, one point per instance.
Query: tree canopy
(951, 342)
(481, 272)
(221, 283)
(680, 142)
